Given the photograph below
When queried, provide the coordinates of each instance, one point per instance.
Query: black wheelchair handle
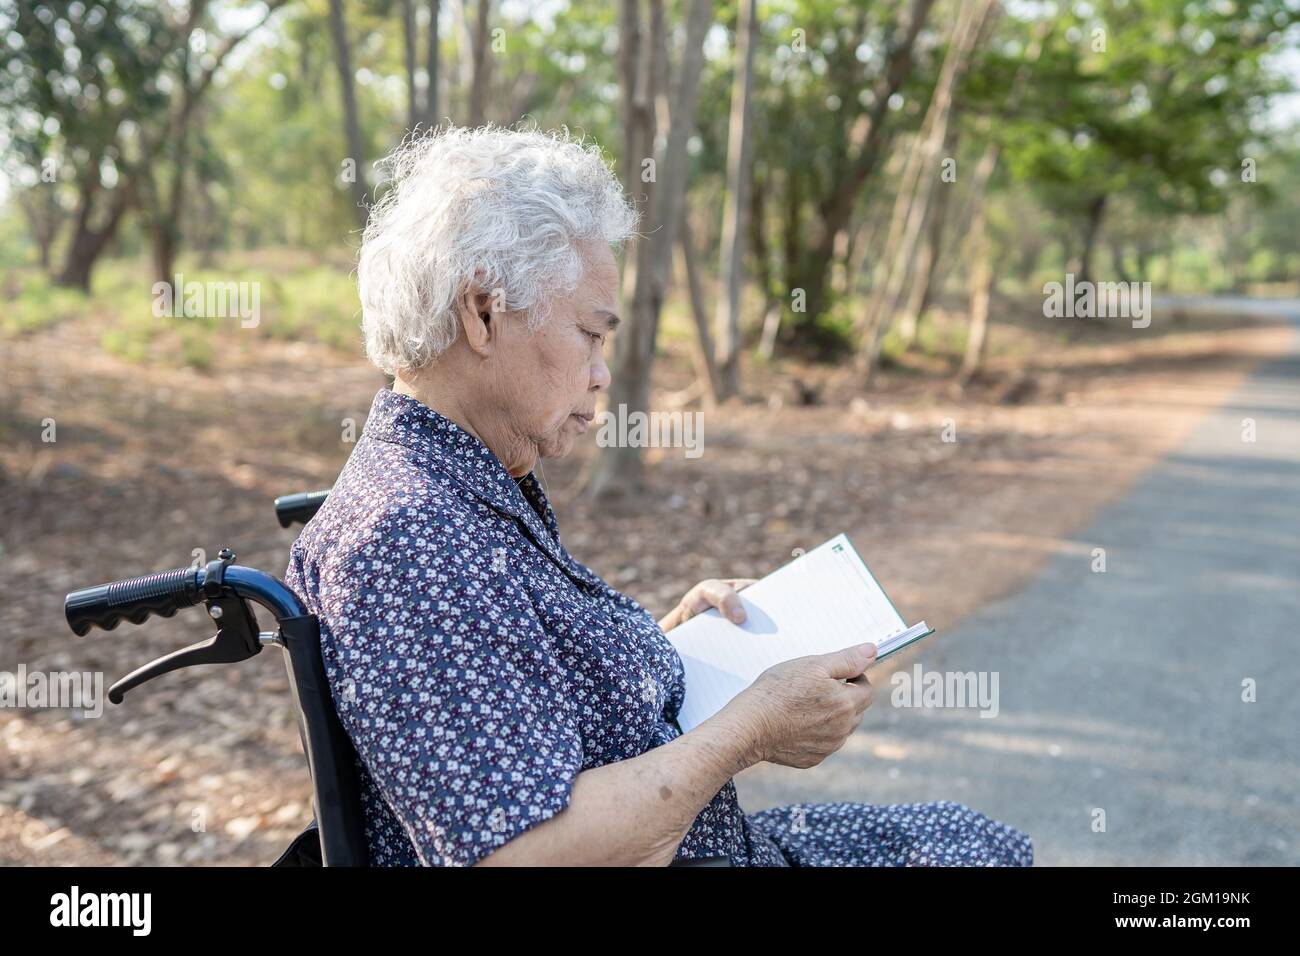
(135, 599)
(302, 507)
(166, 592)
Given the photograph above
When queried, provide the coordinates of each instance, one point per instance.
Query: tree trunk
(163, 252)
(464, 65)
(920, 177)
(431, 117)
(918, 299)
(731, 271)
(706, 370)
(44, 218)
(638, 121)
(1091, 231)
(643, 66)
(758, 234)
(1117, 260)
(408, 60)
(88, 241)
(811, 269)
(946, 251)
(1143, 256)
(981, 290)
(212, 231)
(351, 118)
(43, 244)
(620, 470)
(478, 87)
(641, 73)
(165, 225)
(924, 273)
(863, 245)
(162, 201)
(771, 328)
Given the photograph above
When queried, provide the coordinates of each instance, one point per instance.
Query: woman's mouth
(583, 420)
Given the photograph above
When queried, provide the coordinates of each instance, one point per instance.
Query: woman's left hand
(724, 595)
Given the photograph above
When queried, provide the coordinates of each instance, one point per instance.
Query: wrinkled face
(549, 380)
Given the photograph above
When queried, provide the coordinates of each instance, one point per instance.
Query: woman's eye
(596, 336)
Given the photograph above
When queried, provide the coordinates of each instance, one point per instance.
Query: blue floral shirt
(479, 668)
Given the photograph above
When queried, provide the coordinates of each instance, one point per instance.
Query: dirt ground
(151, 462)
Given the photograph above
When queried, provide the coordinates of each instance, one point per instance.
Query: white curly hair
(505, 207)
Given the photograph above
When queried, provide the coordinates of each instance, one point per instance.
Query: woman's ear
(477, 320)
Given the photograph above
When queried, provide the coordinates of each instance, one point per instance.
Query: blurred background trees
(813, 176)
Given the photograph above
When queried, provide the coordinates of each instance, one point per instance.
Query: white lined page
(823, 601)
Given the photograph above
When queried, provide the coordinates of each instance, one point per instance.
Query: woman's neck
(514, 454)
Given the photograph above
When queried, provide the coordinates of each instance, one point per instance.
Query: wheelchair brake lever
(237, 636)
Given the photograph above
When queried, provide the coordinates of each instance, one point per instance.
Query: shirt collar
(449, 448)
(399, 418)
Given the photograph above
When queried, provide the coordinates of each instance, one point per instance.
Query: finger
(695, 601)
(739, 583)
(862, 692)
(723, 596)
(731, 606)
(850, 662)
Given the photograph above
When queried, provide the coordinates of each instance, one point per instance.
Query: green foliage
(827, 336)
(32, 302)
(317, 304)
(1159, 100)
(298, 301)
(1152, 104)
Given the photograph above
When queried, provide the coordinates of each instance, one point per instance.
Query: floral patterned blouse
(479, 668)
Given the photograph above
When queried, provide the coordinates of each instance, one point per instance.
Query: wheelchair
(336, 836)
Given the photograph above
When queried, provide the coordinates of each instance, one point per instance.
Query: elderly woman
(506, 704)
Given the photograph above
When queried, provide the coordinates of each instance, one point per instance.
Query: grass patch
(32, 302)
(298, 299)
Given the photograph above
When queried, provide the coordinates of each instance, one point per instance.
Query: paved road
(1122, 691)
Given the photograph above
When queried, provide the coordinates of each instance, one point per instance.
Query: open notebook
(823, 601)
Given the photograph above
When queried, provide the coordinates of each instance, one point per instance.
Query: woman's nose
(600, 377)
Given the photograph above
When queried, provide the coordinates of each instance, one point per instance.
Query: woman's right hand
(801, 711)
